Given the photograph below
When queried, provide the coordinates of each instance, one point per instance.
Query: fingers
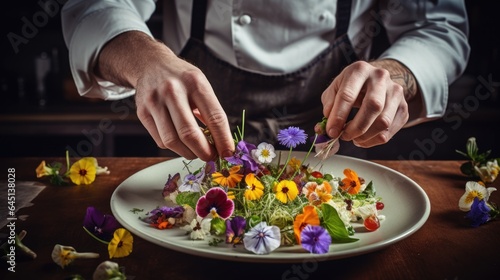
(342, 95)
(382, 108)
(168, 113)
(374, 102)
(211, 113)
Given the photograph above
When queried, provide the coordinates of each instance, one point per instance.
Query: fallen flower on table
(81, 172)
(100, 226)
(23, 250)
(475, 201)
(121, 244)
(479, 165)
(64, 255)
(108, 270)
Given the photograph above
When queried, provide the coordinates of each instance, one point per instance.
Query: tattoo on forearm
(407, 81)
(399, 74)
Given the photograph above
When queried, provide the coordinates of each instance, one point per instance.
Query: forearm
(124, 58)
(400, 75)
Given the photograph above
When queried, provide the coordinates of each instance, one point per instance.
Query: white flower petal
(262, 239)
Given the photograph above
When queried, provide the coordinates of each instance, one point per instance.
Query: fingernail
(227, 153)
(333, 133)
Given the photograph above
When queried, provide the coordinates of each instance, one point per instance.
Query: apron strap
(198, 18)
(343, 17)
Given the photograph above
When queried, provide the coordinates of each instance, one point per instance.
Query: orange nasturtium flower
(228, 178)
(43, 170)
(83, 171)
(286, 191)
(255, 189)
(309, 216)
(351, 183)
(317, 194)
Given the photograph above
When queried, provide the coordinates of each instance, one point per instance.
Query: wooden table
(446, 247)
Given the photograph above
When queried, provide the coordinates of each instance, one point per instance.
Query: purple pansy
(210, 168)
(315, 239)
(171, 184)
(243, 156)
(192, 182)
(479, 212)
(235, 228)
(100, 226)
(168, 212)
(291, 137)
(215, 202)
(262, 239)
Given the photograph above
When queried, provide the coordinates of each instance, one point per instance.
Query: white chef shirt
(271, 36)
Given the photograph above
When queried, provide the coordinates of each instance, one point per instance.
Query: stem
(85, 255)
(286, 162)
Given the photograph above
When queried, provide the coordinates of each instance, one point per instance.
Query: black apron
(276, 101)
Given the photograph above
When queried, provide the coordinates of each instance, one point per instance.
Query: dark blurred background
(41, 113)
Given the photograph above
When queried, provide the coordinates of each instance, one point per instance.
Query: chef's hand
(380, 89)
(170, 95)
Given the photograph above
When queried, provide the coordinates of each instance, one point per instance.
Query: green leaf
(334, 225)
(218, 226)
(189, 198)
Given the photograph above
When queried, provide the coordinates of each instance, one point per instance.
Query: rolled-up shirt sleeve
(431, 39)
(87, 26)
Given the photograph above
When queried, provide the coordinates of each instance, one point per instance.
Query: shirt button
(245, 19)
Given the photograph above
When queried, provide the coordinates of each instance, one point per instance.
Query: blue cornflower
(291, 137)
(315, 239)
(479, 212)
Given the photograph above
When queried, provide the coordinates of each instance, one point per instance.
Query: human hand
(382, 102)
(170, 95)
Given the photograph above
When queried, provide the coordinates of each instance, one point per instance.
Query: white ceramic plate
(407, 208)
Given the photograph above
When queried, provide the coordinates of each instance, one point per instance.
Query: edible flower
(108, 270)
(317, 194)
(192, 182)
(479, 212)
(215, 203)
(472, 190)
(100, 226)
(309, 216)
(64, 255)
(291, 137)
(20, 248)
(479, 165)
(199, 228)
(262, 239)
(264, 153)
(44, 170)
(83, 172)
(315, 239)
(475, 201)
(165, 217)
(121, 244)
(242, 156)
(254, 189)
(228, 177)
(351, 182)
(286, 191)
(235, 229)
